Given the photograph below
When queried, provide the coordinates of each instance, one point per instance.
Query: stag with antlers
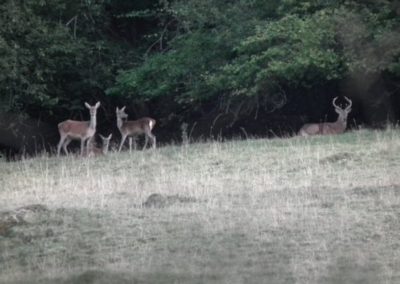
(328, 128)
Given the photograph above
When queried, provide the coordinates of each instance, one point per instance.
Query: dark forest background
(215, 67)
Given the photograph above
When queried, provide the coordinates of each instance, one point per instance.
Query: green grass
(318, 210)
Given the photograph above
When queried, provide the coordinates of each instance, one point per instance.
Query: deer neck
(342, 122)
(93, 122)
(119, 122)
(104, 150)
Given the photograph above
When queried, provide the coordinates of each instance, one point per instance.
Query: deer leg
(89, 144)
(134, 143)
(146, 140)
(60, 144)
(82, 146)
(66, 143)
(152, 138)
(130, 144)
(122, 142)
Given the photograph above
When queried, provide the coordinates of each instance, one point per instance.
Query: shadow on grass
(110, 277)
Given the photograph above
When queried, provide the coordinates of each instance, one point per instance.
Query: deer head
(343, 113)
(105, 143)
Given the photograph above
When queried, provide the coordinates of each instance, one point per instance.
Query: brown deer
(96, 151)
(77, 130)
(328, 128)
(141, 126)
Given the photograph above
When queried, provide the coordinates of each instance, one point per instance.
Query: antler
(335, 105)
(350, 103)
(347, 99)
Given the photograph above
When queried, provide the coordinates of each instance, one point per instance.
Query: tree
(251, 54)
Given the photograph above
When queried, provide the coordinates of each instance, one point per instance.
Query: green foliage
(180, 75)
(292, 51)
(205, 37)
(370, 37)
(54, 54)
(261, 48)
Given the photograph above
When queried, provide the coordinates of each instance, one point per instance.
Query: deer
(329, 128)
(78, 130)
(129, 128)
(96, 151)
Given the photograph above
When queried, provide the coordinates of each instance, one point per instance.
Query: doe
(78, 130)
(141, 126)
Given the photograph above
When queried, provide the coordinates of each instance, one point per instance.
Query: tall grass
(317, 210)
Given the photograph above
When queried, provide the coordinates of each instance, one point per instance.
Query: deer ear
(87, 105)
(102, 137)
(123, 108)
(348, 110)
(97, 105)
(337, 110)
(109, 136)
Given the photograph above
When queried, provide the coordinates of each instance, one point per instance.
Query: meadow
(323, 209)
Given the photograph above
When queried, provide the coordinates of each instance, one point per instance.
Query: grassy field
(317, 210)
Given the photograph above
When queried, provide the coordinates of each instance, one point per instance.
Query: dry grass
(318, 210)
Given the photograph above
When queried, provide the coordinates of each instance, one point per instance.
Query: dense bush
(255, 50)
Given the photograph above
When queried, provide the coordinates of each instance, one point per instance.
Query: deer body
(329, 128)
(77, 130)
(142, 126)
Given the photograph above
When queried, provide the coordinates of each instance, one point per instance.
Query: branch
(159, 40)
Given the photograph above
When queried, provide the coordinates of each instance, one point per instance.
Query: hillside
(295, 210)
